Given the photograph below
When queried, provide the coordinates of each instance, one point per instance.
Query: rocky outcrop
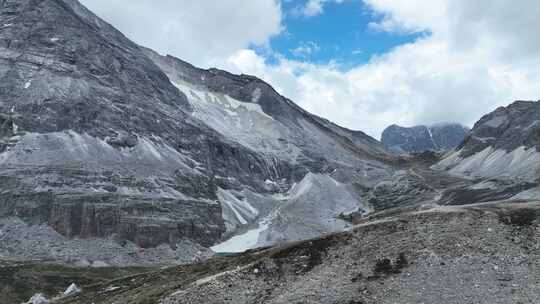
(506, 128)
(503, 144)
(442, 137)
(147, 223)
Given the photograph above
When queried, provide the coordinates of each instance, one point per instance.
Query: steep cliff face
(503, 144)
(499, 156)
(103, 139)
(448, 136)
(441, 137)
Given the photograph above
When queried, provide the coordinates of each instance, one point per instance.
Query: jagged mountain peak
(58, 57)
(437, 137)
(502, 144)
(505, 128)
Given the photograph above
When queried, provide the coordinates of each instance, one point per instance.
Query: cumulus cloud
(311, 8)
(305, 49)
(496, 26)
(471, 57)
(195, 30)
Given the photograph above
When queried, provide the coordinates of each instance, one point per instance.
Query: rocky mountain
(502, 144)
(441, 137)
(499, 156)
(111, 154)
(114, 155)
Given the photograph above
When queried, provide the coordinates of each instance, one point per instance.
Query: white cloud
(476, 55)
(479, 55)
(305, 49)
(408, 16)
(312, 8)
(195, 30)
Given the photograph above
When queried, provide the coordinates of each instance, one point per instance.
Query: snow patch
(195, 96)
(245, 241)
(38, 298)
(431, 137)
(244, 122)
(240, 207)
(256, 95)
(15, 128)
(269, 182)
(111, 288)
(72, 289)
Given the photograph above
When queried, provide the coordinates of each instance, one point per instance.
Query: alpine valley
(144, 179)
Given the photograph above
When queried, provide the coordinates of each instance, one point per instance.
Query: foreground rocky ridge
(20, 281)
(482, 253)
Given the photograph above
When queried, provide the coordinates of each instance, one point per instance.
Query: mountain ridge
(503, 144)
(416, 139)
(104, 141)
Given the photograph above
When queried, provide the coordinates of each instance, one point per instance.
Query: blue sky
(340, 35)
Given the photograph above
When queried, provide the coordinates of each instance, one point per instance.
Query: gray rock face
(88, 121)
(416, 139)
(503, 144)
(506, 128)
(101, 138)
(448, 136)
(291, 120)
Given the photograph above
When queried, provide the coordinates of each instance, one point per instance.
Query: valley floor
(483, 253)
